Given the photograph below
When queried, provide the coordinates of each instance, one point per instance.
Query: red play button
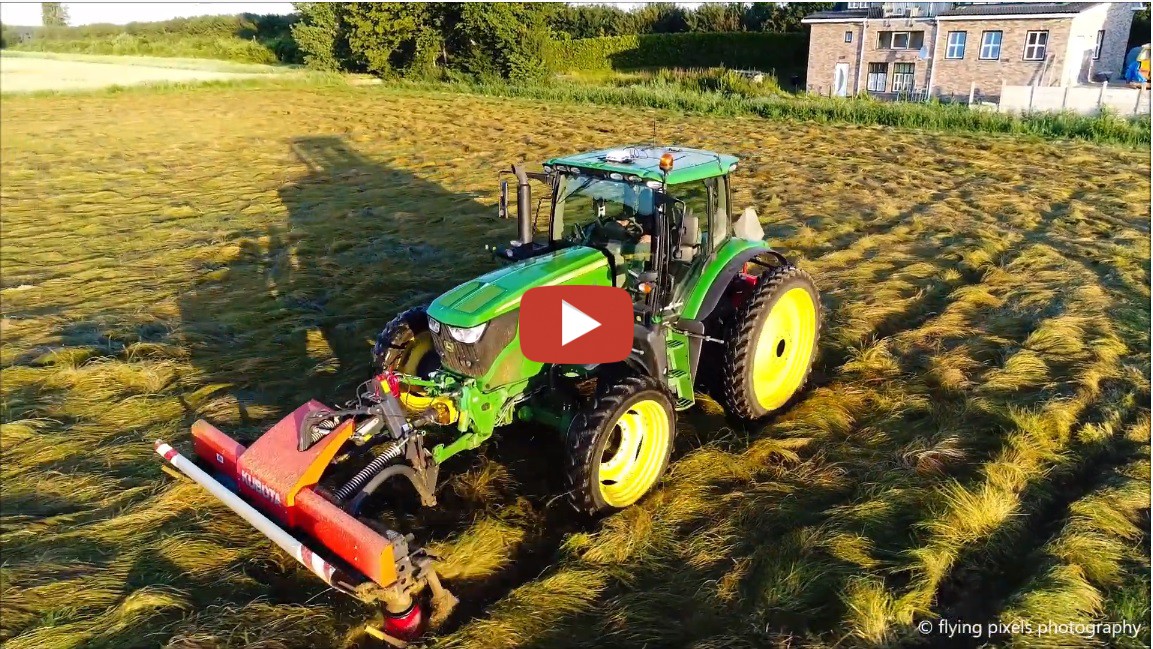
(577, 325)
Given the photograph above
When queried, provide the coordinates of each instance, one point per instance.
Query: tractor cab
(658, 213)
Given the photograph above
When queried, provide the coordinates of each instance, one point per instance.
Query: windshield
(591, 211)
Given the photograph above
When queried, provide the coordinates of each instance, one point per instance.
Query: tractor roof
(644, 161)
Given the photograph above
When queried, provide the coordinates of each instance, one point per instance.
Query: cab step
(678, 376)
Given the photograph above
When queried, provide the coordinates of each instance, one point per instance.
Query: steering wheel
(634, 229)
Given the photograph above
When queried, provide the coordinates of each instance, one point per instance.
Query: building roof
(1017, 8)
(851, 14)
(964, 10)
(688, 164)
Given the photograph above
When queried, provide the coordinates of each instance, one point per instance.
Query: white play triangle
(574, 323)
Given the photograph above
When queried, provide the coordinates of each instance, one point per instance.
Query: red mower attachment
(275, 487)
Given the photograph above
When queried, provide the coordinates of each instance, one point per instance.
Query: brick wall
(954, 75)
(1118, 22)
(827, 47)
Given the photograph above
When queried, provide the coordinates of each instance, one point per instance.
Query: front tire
(771, 344)
(405, 345)
(619, 448)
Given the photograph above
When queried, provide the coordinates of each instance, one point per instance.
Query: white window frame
(893, 40)
(987, 46)
(1100, 44)
(1038, 50)
(903, 81)
(877, 81)
(849, 36)
(858, 5)
(950, 45)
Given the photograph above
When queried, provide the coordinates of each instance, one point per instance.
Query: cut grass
(980, 407)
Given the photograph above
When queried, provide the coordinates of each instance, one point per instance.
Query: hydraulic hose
(390, 453)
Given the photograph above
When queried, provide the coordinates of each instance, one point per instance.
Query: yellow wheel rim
(784, 348)
(421, 345)
(634, 454)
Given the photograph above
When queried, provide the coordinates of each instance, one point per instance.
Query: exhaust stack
(523, 206)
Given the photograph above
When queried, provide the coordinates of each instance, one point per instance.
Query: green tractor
(656, 222)
(715, 309)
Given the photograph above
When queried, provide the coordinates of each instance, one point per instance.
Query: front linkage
(407, 441)
(275, 484)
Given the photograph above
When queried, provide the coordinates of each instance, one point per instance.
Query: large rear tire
(771, 344)
(619, 448)
(405, 345)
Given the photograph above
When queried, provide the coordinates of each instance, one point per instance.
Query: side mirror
(649, 276)
(502, 206)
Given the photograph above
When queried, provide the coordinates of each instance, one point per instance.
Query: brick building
(887, 48)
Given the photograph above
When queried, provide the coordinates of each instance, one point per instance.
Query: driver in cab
(633, 227)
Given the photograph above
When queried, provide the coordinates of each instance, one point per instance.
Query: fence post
(1001, 99)
(972, 91)
(1065, 99)
(1032, 89)
(1101, 97)
(1137, 106)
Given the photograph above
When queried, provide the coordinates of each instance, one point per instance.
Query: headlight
(466, 335)
(433, 325)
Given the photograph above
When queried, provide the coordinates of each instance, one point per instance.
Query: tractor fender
(718, 289)
(724, 279)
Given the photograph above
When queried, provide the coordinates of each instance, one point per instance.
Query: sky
(27, 14)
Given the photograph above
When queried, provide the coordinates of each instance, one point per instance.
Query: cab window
(590, 207)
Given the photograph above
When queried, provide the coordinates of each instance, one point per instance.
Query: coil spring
(324, 427)
(377, 465)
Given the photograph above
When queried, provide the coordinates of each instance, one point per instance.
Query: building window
(990, 46)
(858, 5)
(903, 77)
(1035, 45)
(955, 45)
(1100, 42)
(900, 40)
(878, 77)
(848, 37)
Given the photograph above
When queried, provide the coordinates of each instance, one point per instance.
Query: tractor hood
(496, 293)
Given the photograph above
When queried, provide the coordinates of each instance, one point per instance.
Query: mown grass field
(975, 445)
(44, 72)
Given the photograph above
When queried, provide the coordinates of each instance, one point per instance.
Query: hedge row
(947, 118)
(247, 38)
(191, 47)
(740, 50)
(245, 26)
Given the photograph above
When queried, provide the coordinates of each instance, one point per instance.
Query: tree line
(591, 21)
(500, 39)
(506, 40)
